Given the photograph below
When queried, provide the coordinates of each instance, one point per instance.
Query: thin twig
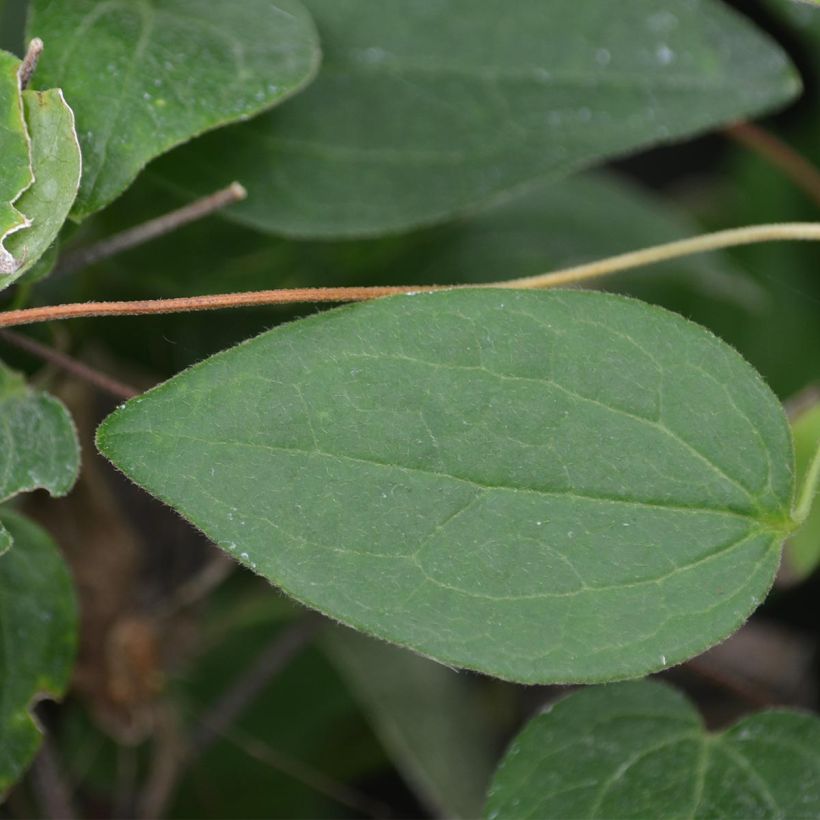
(805, 231)
(80, 258)
(800, 170)
(312, 778)
(50, 785)
(165, 766)
(70, 365)
(218, 567)
(251, 682)
(29, 64)
(227, 708)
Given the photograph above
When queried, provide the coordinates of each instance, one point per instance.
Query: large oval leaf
(423, 110)
(145, 76)
(639, 750)
(38, 626)
(542, 486)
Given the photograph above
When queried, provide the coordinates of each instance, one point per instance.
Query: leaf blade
(40, 448)
(57, 165)
(639, 749)
(15, 173)
(249, 57)
(502, 470)
(464, 102)
(39, 622)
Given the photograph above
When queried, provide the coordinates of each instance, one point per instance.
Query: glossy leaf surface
(424, 110)
(38, 624)
(639, 750)
(145, 76)
(542, 486)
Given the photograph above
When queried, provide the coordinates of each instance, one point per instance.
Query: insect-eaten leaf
(38, 633)
(145, 77)
(542, 486)
(424, 110)
(15, 161)
(637, 750)
(38, 441)
(57, 164)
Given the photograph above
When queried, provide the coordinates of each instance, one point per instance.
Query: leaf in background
(640, 750)
(557, 486)
(15, 167)
(803, 547)
(38, 625)
(38, 442)
(56, 160)
(589, 216)
(144, 77)
(425, 110)
(428, 718)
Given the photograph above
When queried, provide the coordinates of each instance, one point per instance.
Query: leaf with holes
(640, 750)
(145, 76)
(424, 110)
(38, 628)
(15, 168)
(559, 486)
(55, 157)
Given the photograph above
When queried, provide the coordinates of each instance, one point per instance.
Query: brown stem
(70, 365)
(29, 64)
(80, 258)
(794, 231)
(803, 173)
(187, 304)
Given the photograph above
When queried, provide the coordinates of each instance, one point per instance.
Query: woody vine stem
(804, 231)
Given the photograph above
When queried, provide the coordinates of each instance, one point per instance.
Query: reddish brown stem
(804, 174)
(187, 304)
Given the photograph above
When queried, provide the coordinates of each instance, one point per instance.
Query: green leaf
(38, 442)
(637, 750)
(15, 168)
(427, 717)
(557, 486)
(56, 160)
(803, 548)
(412, 123)
(38, 626)
(146, 76)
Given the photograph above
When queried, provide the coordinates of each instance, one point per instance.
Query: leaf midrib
(725, 511)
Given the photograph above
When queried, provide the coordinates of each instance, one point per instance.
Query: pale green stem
(811, 484)
(671, 250)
